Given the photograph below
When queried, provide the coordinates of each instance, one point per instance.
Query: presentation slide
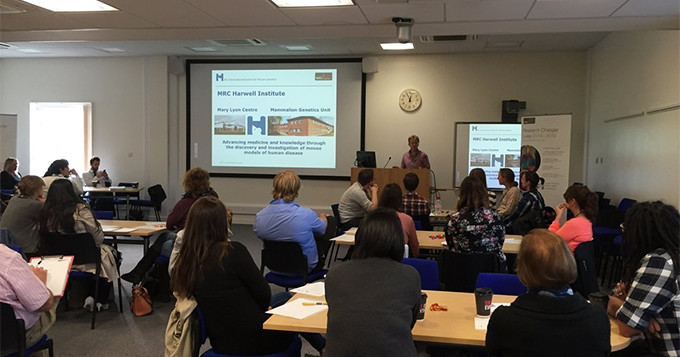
(274, 118)
(489, 147)
(259, 118)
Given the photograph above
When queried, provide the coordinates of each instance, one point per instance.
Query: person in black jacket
(550, 320)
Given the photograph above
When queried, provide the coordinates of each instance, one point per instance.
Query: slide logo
(254, 125)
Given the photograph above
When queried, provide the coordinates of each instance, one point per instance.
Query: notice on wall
(546, 141)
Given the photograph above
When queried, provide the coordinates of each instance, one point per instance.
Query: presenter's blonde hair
(286, 185)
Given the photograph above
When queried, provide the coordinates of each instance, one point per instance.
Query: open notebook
(58, 268)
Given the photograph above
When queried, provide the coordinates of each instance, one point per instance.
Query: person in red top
(582, 202)
(390, 197)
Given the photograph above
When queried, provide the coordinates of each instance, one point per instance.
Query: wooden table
(510, 246)
(455, 326)
(144, 229)
(126, 191)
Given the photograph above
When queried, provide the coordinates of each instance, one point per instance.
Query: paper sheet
(512, 240)
(346, 238)
(125, 230)
(296, 310)
(351, 231)
(106, 228)
(481, 323)
(58, 269)
(315, 289)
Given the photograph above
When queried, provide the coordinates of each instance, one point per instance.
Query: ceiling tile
(109, 20)
(556, 9)
(649, 8)
(245, 13)
(419, 12)
(476, 10)
(167, 13)
(346, 15)
(38, 20)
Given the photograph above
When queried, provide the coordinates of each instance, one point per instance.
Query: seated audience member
(10, 176)
(390, 197)
(229, 288)
(531, 201)
(59, 170)
(66, 213)
(480, 175)
(412, 204)
(94, 175)
(22, 216)
(196, 185)
(582, 202)
(414, 158)
(373, 299)
(511, 193)
(475, 228)
(23, 288)
(283, 220)
(360, 198)
(647, 300)
(549, 320)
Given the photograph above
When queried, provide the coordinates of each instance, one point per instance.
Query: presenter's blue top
(419, 160)
(288, 222)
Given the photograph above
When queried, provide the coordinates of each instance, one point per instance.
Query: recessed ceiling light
(297, 48)
(72, 5)
(29, 50)
(112, 50)
(396, 46)
(312, 3)
(202, 49)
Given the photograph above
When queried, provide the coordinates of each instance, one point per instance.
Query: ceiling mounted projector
(403, 28)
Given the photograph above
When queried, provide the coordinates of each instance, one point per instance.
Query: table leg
(333, 246)
(127, 208)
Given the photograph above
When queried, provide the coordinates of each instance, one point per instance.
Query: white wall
(129, 108)
(455, 88)
(635, 72)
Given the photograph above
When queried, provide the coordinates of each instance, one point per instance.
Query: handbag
(140, 303)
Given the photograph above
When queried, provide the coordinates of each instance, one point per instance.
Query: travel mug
(483, 298)
(423, 303)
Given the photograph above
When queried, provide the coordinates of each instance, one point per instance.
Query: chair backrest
(625, 204)
(80, 245)
(428, 270)
(157, 194)
(586, 281)
(336, 213)
(103, 214)
(12, 332)
(424, 221)
(459, 271)
(503, 284)
(283, 257)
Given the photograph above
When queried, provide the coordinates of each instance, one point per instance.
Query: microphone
(388, 161)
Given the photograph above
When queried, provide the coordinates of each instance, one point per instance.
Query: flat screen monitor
(365, 158)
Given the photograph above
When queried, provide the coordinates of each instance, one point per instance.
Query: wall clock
(410, 100)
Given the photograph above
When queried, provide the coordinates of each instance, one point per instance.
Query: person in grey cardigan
(22, 216)
(373, 299)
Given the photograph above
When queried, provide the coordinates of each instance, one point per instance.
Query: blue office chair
(502, 284)
(293, 349)
(428, 270)
(13, 336)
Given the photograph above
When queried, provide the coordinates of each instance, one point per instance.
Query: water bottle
(437, 203)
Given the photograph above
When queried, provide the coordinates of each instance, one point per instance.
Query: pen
(313, 303)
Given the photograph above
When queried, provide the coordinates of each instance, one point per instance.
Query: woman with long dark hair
(59, 170)
(223, 278)
(647, 300)
(65, 212)
(475, 228)
(373, 299)
(480, 175)
(582, 202)
(531, 200)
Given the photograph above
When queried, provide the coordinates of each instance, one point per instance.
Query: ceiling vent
(238, 43)
(448, 38)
